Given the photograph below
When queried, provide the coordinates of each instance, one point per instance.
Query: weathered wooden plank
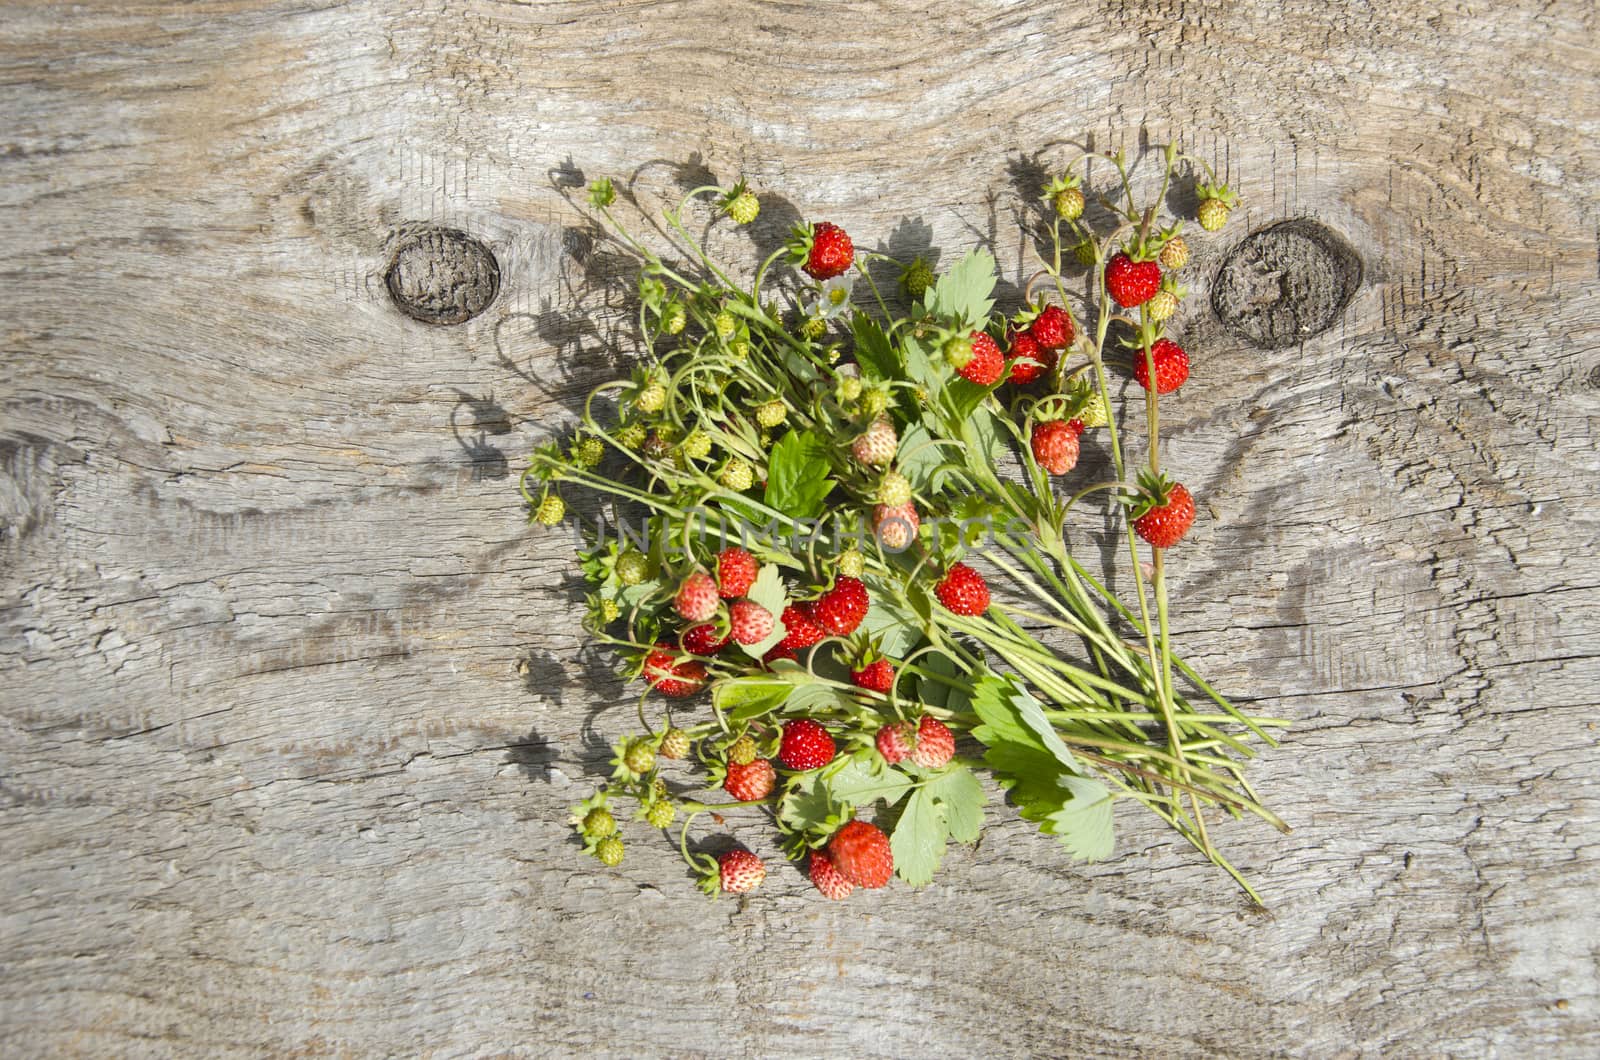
(294, 705)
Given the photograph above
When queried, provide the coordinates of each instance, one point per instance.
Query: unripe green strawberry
(640, 757)
(631, 436)
(742, 207)
(697, 446)
(673, 318)
(739, 349)
(674, 744)
(851, 563)
(1086, 253)
(736, 475)
(875, 402)
(1161, 306)
(772, 413)
(1213, 214)
(632, 567)
(589, 452)
(876, 445)
(1069, 203)
(916, 279)
(660, 813)
(958, 352)
(848, 389)
(813, 328)
(742, 751)
(599, 823)
(894, 490)
(550, 510)
(609, 851)
(1175, 254)
(610, 611)
(724, 324)
(1094, 412)
(651, 398)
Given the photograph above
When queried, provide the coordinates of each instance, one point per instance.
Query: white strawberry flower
(833, 298)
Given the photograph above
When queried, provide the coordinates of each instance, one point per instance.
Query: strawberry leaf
(743, 698)
(874, 353)
(918, 840)
(960, 798)
(1083, 822)
(797, 475)
(867, 778)
(964, 293)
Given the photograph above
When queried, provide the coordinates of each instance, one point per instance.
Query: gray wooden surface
(292, 704)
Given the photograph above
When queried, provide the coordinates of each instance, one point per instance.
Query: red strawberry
(1052, 329)
(895, 740)
(1168, 516)
(748, 783)
(1055, 445)
(831, 254)
(986, 365)
(841, 609)
(1172, 366)
(896, 528)
(704, 639)
(935, 743)
(1132, 283)
(963, 591)
(860, 851)
(670, 679)
(875, 676)
(736, 572)
(697, 597)
(778, 653)
(805, 745)
(800, 627)
(1029, 360)
(740, 871)
(825, 874)
(749, 622)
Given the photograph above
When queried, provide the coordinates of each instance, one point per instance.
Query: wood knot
(441, 275)
(1285, 283)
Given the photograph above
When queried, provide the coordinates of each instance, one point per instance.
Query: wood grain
(294, 705)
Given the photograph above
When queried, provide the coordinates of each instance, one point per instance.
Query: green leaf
(936, 693)
(808, 806)
(897, 631)
(985, 440)
(917, 459)
(960, 798)
(743, 698)
(867, 778)
(965, 292)
(918, 840)
(797, 475)
(1084, 822)
(812, 698)
(1011, 715)
(874, 353)
(918, 367)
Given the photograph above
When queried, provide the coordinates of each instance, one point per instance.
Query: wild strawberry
(1131, 282)
(704, 639)
(640, 757)
(736, 475)
(740, 871)
(599, 823)
(1052, 329)
(1065, 196)
(750, 782)
(1172, 366)
(805, 745)
(877, 676)
(801, 630)
(741, 206)
(697, 597)
(550, 510)
(852, 564)
(1055, 445)
(1216, 202)
(589, 452)
(1086, 253)
(827, 251)
(749, 622)
(631, 435)
(860, 851)
(674, 318)
(660, 814)
(1174, 254)
(1165, 513)
(876, 445)
(778, 653)
(841, 609)
(651, 398)
(976, 358)
(916, 278)
(673, 679)
(1162, 305)
(743, 751)
(895, 741)
(963, 591)
(894, 489)
(935, 743)
(895, 528)
(609, 850)
(1029, 362)
(736, 572)
(772, 413)
(825, 874)
(674, 744)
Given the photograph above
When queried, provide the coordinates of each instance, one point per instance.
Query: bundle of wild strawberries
(835, 547)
